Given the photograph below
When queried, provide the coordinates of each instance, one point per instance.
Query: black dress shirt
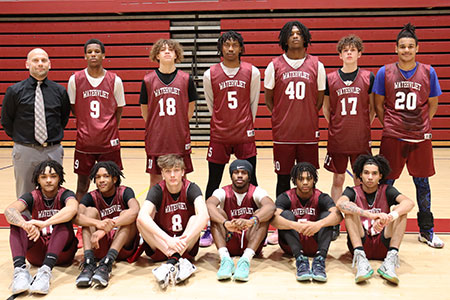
(18, 110)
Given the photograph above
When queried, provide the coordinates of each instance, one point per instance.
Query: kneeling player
(108, 216)
(170, 221)
(375, 217)
(305, 217)
(240, 215)
(47, 238)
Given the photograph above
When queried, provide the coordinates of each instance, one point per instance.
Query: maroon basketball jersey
(167, 126)
(109, 211)
(232, 120)
(349, 128)
(310, 211)
(43, 212)
(243, 211)
(378, 206)
(294, 116)
(97, 130)
(173, 216)
(406, 113)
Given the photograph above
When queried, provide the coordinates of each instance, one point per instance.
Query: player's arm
(255, 89)
(207, 90)
(350, 208)
(143, 101)
(269, 85)
(379, 107)
(119, 95)
(326, 107)
(148, 224)
(283, 203)
(214, 214)
(321, 85)
(83, 220)
(268, 97)
(372, 112)
(119, 111)
(432, 106)
(191, 109)
(201, 219)
(129, 215)
(144, 111)
(13, 215)
(66, 214)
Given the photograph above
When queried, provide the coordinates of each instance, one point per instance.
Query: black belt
(44, 145)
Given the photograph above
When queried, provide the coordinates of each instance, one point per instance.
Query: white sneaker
(185, 269)
(41, 281)
(21, 280)
(431, 240)
(387, 268)
(363, 269)
(165, 274)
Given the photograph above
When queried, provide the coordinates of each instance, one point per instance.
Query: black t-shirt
(391, 195)
(28, 199)
(155, 194)
(325, 202)
(167, 79)
(128, 194)
(350, 77)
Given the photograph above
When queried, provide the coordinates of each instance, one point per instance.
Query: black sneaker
(336, 232)
(318, 269)
(102, 273)
(303, 272)
(85, 277)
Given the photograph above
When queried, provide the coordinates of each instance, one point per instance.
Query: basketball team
(112, 225)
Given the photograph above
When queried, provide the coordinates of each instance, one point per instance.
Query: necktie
(40, 125)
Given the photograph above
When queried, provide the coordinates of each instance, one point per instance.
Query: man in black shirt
(20, 122)
(375, 218)
(108, 216)
(305, 217)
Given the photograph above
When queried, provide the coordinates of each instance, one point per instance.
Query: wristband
(394, 215)
(255, 220)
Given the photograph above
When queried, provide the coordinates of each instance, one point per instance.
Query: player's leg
(247, 151)
(153, 169)
(220, 236)
(323, 238)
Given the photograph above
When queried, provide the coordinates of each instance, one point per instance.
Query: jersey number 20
(403, 100)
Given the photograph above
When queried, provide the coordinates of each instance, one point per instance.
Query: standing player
(348, 108)
(108, 216)
(240, 215)
(170, 221)
(375, 218)
(305, 217)
(232, 95)
(167, 103)
(47, 238)
(294, 85)
(406, 99)
(97, 99)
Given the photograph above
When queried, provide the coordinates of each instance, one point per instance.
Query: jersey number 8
(177, 226)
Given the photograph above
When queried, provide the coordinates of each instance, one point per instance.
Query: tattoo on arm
(13, 216)
(352, 208)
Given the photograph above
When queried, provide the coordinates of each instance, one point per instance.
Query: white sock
(248, 253)
(223, 252)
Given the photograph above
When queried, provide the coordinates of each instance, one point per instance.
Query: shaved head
(38, 63)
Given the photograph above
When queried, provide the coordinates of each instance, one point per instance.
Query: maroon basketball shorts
(83, 162)
(338, 162)
(152, 166)
(124, 253)
(375, 246)
(286, 155)
(309, 245)
(418, 157)
(220, 153)
(238, 243)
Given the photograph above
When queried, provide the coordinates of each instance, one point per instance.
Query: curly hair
(408, 31)
(301, 167)
(230, 35)
(40, 169)
(348, 41)
(285, 33)
(173, 44)
(378, 160)
(111, 167)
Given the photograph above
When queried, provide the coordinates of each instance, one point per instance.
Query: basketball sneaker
(226, 268)
(303, 271)
(102, 273)
(242, 269)
(185, 269)
(363, 269)
(387, 268)
(21, 280)
(318, 269)
(41, 281)
(206, 239)
(431, 239)
(165, 274)
(85, 277)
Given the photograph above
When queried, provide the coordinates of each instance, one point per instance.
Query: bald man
(34, 114)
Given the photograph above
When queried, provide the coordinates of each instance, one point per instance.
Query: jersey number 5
(232, 101)
(295, 90)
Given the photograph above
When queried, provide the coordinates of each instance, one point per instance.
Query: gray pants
(26, 158)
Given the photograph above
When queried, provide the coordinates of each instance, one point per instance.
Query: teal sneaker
(242, 269)
(303, 271)
(226, 269)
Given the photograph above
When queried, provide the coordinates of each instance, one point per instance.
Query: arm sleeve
(258, 195)
(87, 200)
(435, 88)
(255, 89)
(269, 77)
(378, 86)
(66, 196)
(28, 200)
(327, 88)
(325, 202)
(220, 194)
(321, 77)
(372, 80)
(72, 89)
(193, 192)
(143, 97)
(155, 196)
(8, 111)
(127, 195)
(119, 92)
(192, 90)
(350, 193)
(207, 87)
(283, 202)
(391, 195)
